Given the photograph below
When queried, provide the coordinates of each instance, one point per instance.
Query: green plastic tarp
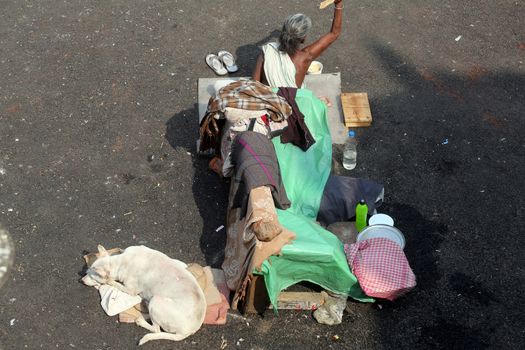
(316, 255)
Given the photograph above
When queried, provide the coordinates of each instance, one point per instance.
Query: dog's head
(95, 277)
(98, 272)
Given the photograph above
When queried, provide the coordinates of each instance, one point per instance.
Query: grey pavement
(97, 145)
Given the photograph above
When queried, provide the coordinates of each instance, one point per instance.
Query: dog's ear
(102, 252)
(90, 258)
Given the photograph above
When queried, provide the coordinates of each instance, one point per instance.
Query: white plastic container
(382, 231)
(316, 67)
(380, 219)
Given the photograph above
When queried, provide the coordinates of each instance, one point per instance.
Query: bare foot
(263, 219)
(266, 230)
(216, 165)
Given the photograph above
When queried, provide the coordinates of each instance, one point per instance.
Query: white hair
(294, 32)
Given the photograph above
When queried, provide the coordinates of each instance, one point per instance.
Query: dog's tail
(162, 335)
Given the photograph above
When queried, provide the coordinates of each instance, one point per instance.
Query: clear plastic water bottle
(350, 151)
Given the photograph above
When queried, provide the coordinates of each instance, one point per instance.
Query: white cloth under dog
(114, 301)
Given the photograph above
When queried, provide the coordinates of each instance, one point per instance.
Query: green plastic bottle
(361, 212)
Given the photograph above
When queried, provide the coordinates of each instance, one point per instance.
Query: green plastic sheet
(316, 255)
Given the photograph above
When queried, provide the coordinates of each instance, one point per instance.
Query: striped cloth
(243, 94)
(251, 95)
(381, 268)
(255, 161)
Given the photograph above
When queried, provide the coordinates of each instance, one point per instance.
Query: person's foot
(216, 165)
(263, 219)
(266, 230)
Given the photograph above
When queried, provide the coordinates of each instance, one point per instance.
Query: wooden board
(356, 109)
(325, 3)
(257, 299)
(298, 301)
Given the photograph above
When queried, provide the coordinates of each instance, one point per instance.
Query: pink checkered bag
(381, 268)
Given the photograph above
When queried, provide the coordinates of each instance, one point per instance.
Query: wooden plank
(356, 109)
(357, 99)
(257, 300)
(325, 3)
(357, 125)
(298, 301)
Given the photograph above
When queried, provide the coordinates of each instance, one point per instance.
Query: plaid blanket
(381, 268)
(242, 94)
(251, 95)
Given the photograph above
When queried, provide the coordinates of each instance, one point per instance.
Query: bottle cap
(351, 133)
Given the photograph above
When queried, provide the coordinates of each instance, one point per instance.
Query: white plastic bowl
(316, 67)
(382, 231)
(380, 219)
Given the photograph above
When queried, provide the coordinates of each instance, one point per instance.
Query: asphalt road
(97, 145)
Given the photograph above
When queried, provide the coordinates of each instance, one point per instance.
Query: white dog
(176, 303)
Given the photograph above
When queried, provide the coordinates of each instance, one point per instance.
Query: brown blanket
(255, 191)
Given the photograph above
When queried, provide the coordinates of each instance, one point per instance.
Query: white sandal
(228, 60)
(215, 63)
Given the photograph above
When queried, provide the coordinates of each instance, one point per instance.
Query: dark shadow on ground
(446, 147)
(467, 130)
(209, 191)
(182, 132)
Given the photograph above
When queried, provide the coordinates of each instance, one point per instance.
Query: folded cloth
(217, 313)
(216, 301)
(250, 95)
(113, 301)
(243, 94)
(381, 268)
(204, 278)
(297, 132)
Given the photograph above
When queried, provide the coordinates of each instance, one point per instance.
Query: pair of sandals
(222, 63)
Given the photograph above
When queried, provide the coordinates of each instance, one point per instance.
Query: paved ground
(97, 133)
